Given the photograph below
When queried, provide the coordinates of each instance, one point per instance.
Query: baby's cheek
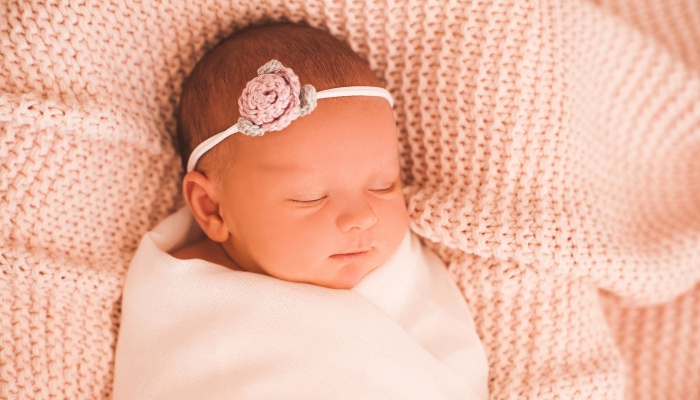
(300, 239)
(397, 215)
(394, 224)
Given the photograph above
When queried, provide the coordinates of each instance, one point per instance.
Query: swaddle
(193, 329)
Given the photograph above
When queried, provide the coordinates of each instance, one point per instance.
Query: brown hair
(209, 100)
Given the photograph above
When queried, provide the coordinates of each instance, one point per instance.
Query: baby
(318, 200)
(293, 191)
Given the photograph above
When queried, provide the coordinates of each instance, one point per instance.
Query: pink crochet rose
(271, 100)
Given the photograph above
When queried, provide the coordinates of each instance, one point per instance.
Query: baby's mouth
(350, 256)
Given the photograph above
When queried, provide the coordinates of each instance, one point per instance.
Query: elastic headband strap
(346, 91)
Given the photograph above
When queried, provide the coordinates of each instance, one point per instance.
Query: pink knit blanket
(551, 150)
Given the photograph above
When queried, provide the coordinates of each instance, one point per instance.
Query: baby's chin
(349, 276)
(337, 272)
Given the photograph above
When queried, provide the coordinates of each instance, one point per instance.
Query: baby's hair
(209, 101)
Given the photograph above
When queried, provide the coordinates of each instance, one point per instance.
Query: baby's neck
(207, 250)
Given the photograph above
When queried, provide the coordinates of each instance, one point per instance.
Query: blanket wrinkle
(84, 120)
(550, 148)
(594, 158)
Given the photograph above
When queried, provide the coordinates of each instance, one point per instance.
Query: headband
(272, 100)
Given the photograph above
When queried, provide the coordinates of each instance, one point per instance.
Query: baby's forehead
(322, 141)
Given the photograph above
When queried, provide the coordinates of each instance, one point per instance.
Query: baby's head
(318, 201)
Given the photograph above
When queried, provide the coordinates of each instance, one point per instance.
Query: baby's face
(320, 201)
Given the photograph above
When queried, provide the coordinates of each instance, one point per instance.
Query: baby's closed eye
(309, 200)
(383, 190)
(312, 199)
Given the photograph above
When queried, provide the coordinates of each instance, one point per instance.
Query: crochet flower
(272, 100)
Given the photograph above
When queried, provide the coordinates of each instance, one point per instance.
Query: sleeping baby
(292, 272)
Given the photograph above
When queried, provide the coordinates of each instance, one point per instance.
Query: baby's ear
(202, 197)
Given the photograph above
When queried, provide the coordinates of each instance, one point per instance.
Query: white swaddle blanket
(191, 329)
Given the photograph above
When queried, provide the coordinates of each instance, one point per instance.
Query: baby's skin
(319, 201)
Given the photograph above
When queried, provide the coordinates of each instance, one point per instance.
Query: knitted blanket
(550, 149)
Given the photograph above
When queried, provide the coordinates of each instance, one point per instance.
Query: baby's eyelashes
(384, 189)
(310, 202)
(313, 200)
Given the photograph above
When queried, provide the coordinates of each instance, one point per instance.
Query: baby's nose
(356, 215)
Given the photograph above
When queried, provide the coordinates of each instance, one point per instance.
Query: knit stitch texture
(550, 150)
